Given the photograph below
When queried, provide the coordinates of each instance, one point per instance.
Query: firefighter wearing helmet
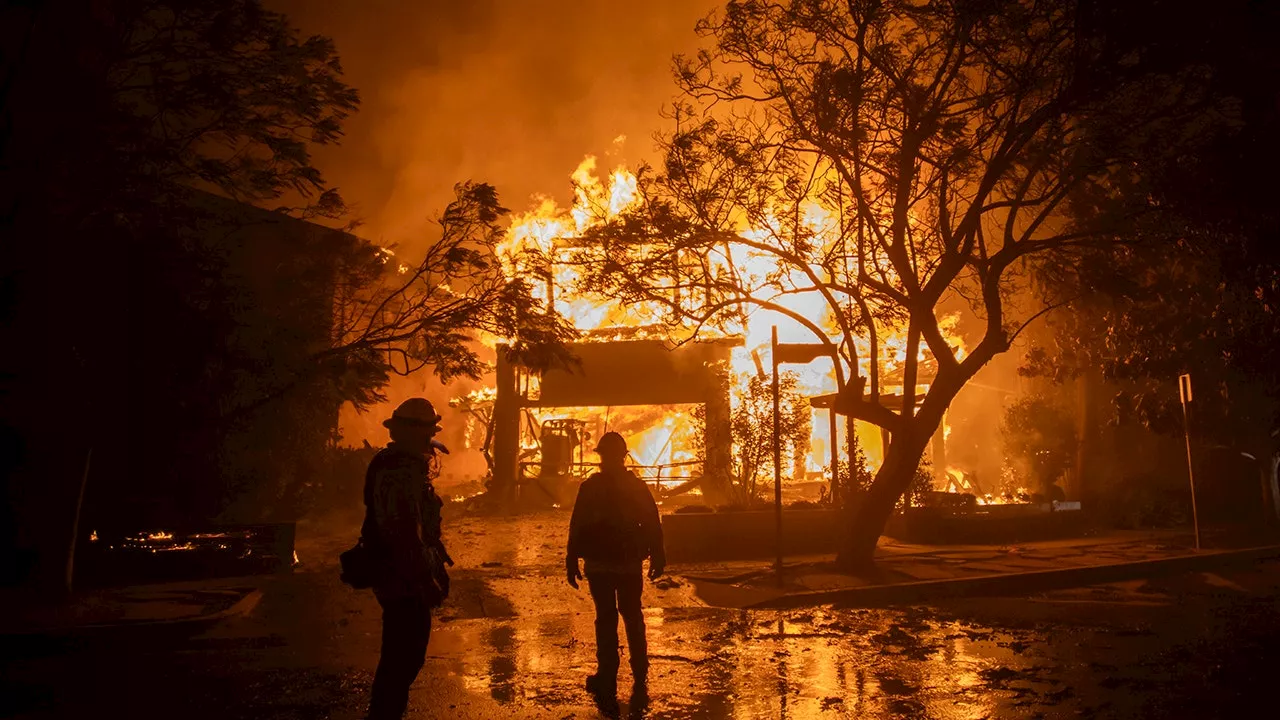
(402, 527)
(614, 529)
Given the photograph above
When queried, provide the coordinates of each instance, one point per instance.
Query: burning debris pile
(172, 554)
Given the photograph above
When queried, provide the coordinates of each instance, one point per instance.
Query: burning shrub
(856, 481)
(752, 426)
(921, 484)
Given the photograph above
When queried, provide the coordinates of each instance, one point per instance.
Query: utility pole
(1184, 392)
(68, 578)
(837, 493)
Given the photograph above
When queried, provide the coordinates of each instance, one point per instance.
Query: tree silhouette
(893, 159)
(393, 317)
(1204, 299)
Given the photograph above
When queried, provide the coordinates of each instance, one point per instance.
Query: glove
(656, 568)
(443, 554)
(572, 573)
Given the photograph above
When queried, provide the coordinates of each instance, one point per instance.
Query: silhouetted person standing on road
(615, 526)
(402, 524)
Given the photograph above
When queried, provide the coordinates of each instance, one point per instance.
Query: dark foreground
(516, 643)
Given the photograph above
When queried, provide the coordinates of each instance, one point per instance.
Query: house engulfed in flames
(673, 401)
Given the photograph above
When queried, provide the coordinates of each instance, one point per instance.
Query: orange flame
(535, 238)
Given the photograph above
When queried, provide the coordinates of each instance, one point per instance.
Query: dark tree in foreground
(115, 116)
(118, 120)
(950, 145)
(113, 113)
(1206, 300)
(111, 106)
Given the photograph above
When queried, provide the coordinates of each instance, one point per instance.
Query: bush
(1148, 501)
(1040, 439)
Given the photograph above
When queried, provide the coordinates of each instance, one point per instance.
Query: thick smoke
(509, 92)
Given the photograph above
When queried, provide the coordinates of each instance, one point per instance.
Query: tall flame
(535, 238)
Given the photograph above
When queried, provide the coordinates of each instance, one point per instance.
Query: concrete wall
(748, 534)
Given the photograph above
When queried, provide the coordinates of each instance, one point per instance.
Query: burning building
(617, 374)
(674, 396)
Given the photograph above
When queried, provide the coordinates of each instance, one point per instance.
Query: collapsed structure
(612, 374)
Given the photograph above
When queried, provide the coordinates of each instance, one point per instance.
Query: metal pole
(777, 459)
(835, 457)
(1195, 518)
(69, 575)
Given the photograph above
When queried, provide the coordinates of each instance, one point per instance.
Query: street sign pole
(777, 459)
(837, 493)
(1184, 392)
(790, 353)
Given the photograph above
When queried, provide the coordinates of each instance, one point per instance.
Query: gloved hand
(571, 572)
(444, 554)
(656, 568)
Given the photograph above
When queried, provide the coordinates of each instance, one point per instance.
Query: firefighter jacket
(402, 523)
(615, 524)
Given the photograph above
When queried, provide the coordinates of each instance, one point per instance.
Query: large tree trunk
(901, 459)
(893, 479)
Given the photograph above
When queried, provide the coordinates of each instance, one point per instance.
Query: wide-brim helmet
(415, 412)
(612, 443)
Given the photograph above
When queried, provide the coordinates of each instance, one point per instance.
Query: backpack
(362, 566)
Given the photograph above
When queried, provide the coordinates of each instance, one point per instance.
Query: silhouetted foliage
(856, 482)
(1040, 438)
(1205, 298)
(161, 96)
(114, 116)
(394, 317)
(479, 405)
(177, 332)
(752, 425)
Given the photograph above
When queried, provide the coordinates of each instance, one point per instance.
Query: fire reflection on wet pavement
(515, 642)
(721, 663)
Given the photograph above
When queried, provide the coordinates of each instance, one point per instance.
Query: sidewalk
(906, 573)
(192, 603)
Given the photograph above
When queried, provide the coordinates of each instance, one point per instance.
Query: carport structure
(615, 374)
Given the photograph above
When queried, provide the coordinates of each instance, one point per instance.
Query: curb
(1017, 583)
(241, 607)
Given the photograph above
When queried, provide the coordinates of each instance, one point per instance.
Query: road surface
(516, 642)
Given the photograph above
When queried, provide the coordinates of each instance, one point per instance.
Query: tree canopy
(145, 145)
(161, 96)
(897, 160)
(1203, 298)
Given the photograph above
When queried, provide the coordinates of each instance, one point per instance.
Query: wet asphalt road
(515, 642)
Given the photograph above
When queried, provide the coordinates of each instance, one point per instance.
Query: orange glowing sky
(510, 92)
